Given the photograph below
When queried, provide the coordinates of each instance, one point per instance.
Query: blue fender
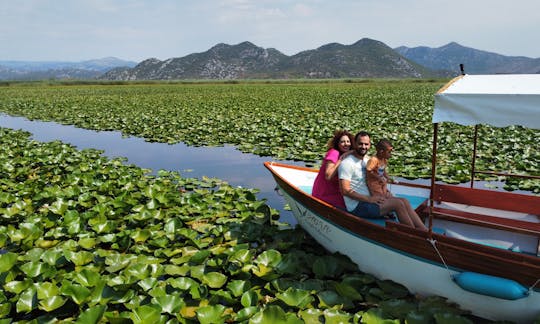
(490, 285)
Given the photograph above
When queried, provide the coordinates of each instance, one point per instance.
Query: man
(352, 181)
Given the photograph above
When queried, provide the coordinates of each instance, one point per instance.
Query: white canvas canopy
(499, 100)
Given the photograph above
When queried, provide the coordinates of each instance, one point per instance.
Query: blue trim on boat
(414, 200)
(306, 189)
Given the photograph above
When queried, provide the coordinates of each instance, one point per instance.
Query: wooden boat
(483, 247)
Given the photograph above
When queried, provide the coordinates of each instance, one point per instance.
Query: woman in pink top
(326, 185)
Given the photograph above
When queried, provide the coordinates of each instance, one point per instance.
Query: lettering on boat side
(308, 219)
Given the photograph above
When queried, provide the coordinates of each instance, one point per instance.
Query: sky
(135, 30)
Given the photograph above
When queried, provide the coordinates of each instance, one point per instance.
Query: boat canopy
(499, 100)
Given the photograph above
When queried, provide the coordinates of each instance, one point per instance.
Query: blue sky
(77, 30)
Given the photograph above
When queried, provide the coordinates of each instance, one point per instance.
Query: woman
(326, 185)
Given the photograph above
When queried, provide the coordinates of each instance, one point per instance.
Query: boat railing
(506, 174)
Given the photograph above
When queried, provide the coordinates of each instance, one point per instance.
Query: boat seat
(416, 201)
(521, 203)
(501, 223)
(504, 201)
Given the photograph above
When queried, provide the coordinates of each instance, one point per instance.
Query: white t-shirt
(354, 170)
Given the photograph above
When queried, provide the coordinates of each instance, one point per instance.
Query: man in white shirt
(352, 181)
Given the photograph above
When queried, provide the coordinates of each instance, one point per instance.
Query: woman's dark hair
(338, 134)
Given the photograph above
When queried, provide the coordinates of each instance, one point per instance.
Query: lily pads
(207, 253)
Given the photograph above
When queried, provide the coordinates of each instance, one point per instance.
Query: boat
(482, 250)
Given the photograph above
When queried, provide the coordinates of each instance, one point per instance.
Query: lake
(226, 163)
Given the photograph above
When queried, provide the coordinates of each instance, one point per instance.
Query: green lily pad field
(88, 239)
(287, 121)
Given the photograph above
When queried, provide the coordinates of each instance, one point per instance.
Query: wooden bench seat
(494, 200)
(499, 200)
(501, 223)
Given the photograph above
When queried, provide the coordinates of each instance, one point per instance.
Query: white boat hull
(422, 277)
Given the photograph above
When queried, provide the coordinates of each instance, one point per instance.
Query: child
(377, 177)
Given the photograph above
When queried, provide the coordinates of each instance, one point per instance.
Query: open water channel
(226, 163)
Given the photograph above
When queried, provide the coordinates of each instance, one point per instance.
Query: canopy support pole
(433, 173)
(473, 172)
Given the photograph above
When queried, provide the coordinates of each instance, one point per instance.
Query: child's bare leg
(395, 204)
(418, 223)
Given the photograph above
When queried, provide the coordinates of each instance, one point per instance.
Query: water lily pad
(330, 298)
(334, 316)
(396, 308)
(27, 300)
(296, 297)
(17, 286)
(145, 314)
(52, 303)
(238, 287)
(46, 290)
(170, 303)
(212, 314)
(326, 266)
(214, 279)
(348, 291)
(76, 292)
(246, 313)
(79, 258)
(311, 315)
(274, 315)
(450, 318)
(7, 261)
(92, 315)
(249, 298)
(375, 315)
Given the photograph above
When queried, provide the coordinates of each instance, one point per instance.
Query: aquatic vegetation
(286, 121)
(90, 239)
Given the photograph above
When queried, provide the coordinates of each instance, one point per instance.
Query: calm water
(227, 163)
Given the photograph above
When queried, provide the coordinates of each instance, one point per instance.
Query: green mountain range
(449, 56)
(366, 58)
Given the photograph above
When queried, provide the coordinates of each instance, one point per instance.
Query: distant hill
(366, 58)
(38, 70)
(449, 56)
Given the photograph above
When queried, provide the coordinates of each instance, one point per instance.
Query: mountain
(220, 62)
(38, 70)
(449, 56)
(366, 58)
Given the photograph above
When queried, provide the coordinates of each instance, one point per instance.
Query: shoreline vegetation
(74, 82)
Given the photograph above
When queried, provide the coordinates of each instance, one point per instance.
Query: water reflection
(227, 163)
